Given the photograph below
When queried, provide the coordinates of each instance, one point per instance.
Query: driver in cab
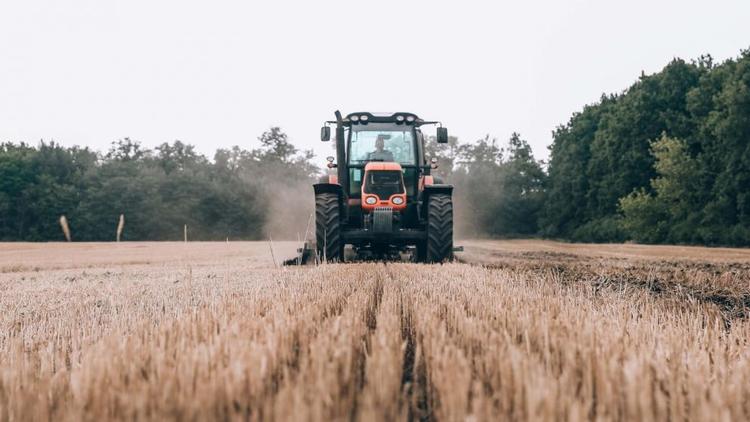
(380, 153)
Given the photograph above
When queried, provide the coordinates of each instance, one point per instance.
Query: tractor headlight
(399, 118)
(370, 200)
(354, 118)
(409, 119)
(397, 200)
(364, 118)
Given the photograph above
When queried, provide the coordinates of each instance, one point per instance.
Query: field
(521, 330)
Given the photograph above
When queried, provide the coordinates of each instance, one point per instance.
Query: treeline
(240, 194)
(666, 161)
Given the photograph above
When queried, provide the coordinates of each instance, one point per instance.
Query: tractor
(379, 200)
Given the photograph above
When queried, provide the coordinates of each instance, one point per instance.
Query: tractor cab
(381, 142)
(382, 188)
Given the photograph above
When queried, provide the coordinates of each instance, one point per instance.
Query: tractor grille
(382, 220)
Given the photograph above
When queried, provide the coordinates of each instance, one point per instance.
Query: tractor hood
(383, 186)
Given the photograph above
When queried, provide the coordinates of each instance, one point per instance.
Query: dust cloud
(291, 208)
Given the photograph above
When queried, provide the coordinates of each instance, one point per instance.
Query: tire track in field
(288, 370)
(414, 379)
(333, 363)
(394, 383)
(363, 348)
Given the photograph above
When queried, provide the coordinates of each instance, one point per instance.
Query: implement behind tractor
(380, 200)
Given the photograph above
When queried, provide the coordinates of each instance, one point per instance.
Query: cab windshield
(386, 144)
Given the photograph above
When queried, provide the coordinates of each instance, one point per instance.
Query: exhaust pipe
(343, 171)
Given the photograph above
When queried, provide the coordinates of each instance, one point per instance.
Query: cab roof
(364, 117)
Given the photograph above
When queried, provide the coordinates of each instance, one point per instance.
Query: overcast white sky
(218, 73)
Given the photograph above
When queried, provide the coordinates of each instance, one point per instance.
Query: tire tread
(328, 227)
(439, 228)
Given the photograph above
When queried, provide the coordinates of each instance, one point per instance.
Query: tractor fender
(329, 178)
(328, 188)
(433, 189)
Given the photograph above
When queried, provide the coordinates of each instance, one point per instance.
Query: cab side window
(355, 182)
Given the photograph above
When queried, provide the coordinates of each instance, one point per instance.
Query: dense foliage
(158, 192)
(668, 160)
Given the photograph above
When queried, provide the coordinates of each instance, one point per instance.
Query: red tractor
(381, 198)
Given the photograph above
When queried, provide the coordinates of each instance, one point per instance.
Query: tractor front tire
(439, 244)
(329, 244)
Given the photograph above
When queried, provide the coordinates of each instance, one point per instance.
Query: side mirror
(442, 135)
(325, 133)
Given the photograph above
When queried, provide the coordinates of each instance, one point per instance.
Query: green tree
(177, 156)
(275, 146)
(499, 192)
(523, 189)
(669, 214)
(126, 149)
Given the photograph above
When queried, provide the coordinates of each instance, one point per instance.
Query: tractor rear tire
(329, 244)
(439, 244)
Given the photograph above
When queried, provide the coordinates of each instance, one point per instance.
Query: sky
(216, 74)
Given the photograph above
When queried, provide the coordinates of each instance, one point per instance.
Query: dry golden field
(519, 330)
